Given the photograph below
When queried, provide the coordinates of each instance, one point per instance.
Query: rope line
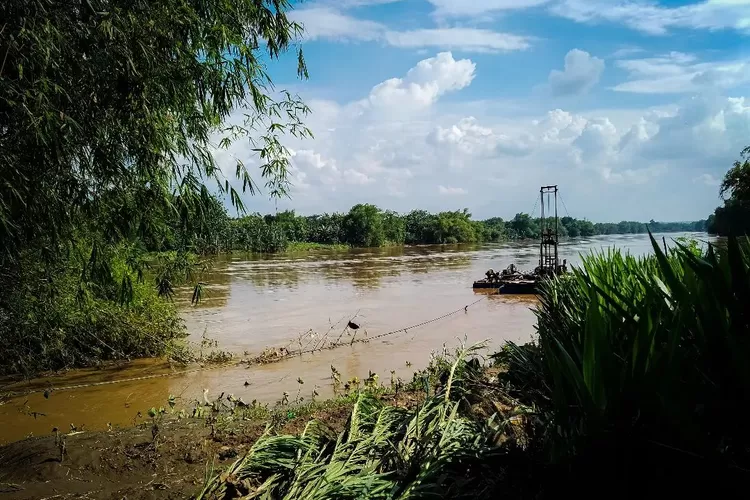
(291, 354)
(533, 210)
(563, 202)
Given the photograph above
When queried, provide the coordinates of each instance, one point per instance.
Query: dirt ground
(131, 464)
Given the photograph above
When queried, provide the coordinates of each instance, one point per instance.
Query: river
(251, 303)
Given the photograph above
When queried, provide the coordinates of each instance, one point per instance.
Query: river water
(255, 302)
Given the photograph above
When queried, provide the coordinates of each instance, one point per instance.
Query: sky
(636, 109)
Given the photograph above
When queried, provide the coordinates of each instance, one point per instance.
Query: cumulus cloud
(472, 139)
(398, 144)
(423, 84)
(708, 129)
(677, 72)
(582, 71)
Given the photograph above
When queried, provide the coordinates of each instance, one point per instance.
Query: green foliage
(116, 96)
(455, 227)
(734, 216)
(434, 450)
(363, 226)
(638, 360)
(54, 319)
(368, 226)
(493, 229)
(111, 112)
(523, 226)
(394, 227)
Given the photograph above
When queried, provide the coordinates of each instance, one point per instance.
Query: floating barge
(510, 287)
(512, 282)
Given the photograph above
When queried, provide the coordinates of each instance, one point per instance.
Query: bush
(641, 370)
(55, 321)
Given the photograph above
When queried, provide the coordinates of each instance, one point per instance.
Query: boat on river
(509, 282)
(514, 282)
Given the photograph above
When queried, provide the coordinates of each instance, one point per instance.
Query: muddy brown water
(255, 302)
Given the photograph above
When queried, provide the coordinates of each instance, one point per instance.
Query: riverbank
(170, 453)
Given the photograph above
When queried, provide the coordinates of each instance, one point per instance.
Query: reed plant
(434, 450)
(642, 367)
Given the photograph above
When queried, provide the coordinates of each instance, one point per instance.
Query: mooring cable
(291, 354)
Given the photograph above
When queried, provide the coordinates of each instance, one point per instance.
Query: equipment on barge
(512, 281)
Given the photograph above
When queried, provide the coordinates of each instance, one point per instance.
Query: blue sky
(636, 109)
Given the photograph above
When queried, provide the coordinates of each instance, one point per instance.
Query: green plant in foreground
(643, 362)
(384, 452)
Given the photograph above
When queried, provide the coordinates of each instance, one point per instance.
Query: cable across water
(277, 359)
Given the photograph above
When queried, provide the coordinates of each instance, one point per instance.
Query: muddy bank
(142, 462)
(139, 385)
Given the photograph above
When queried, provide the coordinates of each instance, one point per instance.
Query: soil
(131, 464)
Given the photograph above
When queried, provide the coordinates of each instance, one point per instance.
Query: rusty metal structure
(549, 261)
(513, 281)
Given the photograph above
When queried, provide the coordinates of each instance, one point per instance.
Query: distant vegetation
(368, 226)
(734, 216)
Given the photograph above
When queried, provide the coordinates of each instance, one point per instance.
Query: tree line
(367, 225)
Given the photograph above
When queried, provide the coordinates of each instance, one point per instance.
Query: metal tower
(548, 257)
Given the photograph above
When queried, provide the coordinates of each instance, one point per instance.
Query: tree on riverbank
(110, 115)
(734, 216)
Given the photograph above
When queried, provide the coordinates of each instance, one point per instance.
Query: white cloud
(582, 71)
(472, 139)
(632, 176)
(452, 191)
(361, 3)
(597, 140)
(423, 84)
(324, 22)
(457, 8)
(311, 168)
(352, 176)
(400, 142)
(677, 72)
(466, 39)
(710, 130)
(655, 19)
